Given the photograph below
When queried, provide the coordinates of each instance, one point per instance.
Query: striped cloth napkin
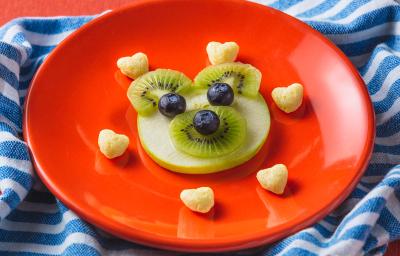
(33, 222)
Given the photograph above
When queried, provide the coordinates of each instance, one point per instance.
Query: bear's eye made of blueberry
(171, 104)
(220, 94)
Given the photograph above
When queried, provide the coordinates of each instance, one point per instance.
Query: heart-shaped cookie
(219, 53)
(198, 199)
(288, 99)
(112, 144)
(134, 66)
(273, 179)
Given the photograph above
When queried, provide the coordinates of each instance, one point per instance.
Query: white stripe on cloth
(36, 38)
(392, 140)
(328, 226)
(392, 77)
(4, 211)
(360, 60)
(13, 185)
(380, 234)
(376, 62)
(366, 218)
(391, 112)
(10, 64)
(385, 29)
(264, 2)
(339, 7)
(381, 191)
(300, 244)
(372, 179)
(22, 165)
(67, 217)
(384, 158)
(75, 239)
(5, 120)
(303, 7)
(393, 206)
(6, 136)
(363, 10)
(363, 188)
(345, 247)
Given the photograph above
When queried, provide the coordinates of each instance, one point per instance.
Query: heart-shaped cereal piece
(273, 179)
(198, 199)
(112, 144)
(134, 66)
(288, 99)
(219, 53)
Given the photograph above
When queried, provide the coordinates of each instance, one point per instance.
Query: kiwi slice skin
(146, 90)
(243, 78)
(229, 136)
(154, 137)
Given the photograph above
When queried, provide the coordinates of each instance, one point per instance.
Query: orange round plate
(78, 91)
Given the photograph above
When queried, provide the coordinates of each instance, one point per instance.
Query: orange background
(18, 8)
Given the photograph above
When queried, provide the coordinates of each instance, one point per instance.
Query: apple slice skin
(153, 133)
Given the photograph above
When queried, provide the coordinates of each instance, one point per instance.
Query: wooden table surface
(17, 8)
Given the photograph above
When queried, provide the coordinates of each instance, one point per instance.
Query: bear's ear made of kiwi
(144, 92)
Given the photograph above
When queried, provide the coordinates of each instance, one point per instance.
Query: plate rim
(204, 245)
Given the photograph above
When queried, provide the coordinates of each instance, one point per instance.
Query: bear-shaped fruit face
(215, 123)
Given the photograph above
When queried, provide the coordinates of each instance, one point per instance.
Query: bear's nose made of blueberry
(206, 122)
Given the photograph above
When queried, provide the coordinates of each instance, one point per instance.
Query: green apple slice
(155, 139)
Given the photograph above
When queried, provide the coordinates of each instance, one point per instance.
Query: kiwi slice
(229, 136)
(243, 78)
(146, 90)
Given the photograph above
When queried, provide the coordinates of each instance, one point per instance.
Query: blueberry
(171, 104)
(220, 94)
(206, 122)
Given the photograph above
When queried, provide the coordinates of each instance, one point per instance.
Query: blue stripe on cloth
(7, 128)
(10, 52)
(389, 128)
(284, 4)
(323, 7)
(392, 95)
(72, 250)
(11, 110)
(36, 217)
(14, 149)
(391, 223)
(387, 149)
(8, 76)
(365, 46)
(33, 221)
(379, 17)
(351, 7)
(377, 251)
(300, 252)
(55, 26)
(19, 176)
(10, 197)
(382, 48)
